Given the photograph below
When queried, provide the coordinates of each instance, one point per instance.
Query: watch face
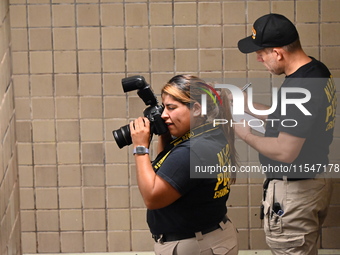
(141, 150)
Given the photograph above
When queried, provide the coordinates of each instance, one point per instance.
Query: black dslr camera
(153, 112)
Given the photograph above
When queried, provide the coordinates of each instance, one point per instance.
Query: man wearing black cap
(295, 157)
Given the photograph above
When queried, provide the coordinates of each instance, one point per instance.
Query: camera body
(153, 112)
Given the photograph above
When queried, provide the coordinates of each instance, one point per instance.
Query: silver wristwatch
(140, 150)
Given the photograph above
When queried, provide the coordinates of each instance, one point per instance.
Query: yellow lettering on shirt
(330, 92)
(221, 192)
(222, 184)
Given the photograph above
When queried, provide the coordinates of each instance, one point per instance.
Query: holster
(265, 187)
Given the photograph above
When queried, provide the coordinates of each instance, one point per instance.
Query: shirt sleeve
(296, 122)
(176, 170)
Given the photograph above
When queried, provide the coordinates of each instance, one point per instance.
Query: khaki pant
(304, 204)
(222, 241)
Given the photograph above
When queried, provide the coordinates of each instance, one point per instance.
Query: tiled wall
(9, 181)
(78, 189)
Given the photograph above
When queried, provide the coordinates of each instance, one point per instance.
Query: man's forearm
(265, 145)
(284, 148)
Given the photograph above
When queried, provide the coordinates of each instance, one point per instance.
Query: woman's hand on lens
(140, 131)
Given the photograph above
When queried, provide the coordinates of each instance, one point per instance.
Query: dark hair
(187, 89)
(296, 45)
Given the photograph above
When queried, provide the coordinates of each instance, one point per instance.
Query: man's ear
(197, 110)
(279, 53)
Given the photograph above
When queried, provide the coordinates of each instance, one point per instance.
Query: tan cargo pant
(222, 241)
(304, 207)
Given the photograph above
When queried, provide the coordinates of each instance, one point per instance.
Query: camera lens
(122, 136)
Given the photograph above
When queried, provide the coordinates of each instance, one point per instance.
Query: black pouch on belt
(265, 186)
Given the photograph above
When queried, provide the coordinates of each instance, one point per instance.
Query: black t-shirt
(203, 200)
(316, 128)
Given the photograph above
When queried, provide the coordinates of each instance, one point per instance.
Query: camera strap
(207, 127)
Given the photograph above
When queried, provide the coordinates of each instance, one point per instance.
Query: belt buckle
(158, 238)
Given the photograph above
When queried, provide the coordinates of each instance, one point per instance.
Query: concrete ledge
(243, 252)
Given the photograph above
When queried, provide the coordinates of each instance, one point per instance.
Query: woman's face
(176, 115)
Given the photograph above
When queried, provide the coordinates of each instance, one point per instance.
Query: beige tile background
(9, 182)
(77, 188)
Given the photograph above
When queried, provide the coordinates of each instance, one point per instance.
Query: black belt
(180, 236)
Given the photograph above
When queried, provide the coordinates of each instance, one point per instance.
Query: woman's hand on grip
(140, 131)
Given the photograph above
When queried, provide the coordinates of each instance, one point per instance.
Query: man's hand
(242, 129)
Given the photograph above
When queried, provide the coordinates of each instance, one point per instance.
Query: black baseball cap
(271, 30)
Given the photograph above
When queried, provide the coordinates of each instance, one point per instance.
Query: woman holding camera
(186, 205)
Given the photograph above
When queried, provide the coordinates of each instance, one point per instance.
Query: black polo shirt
(316, 128)
(203, 201)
